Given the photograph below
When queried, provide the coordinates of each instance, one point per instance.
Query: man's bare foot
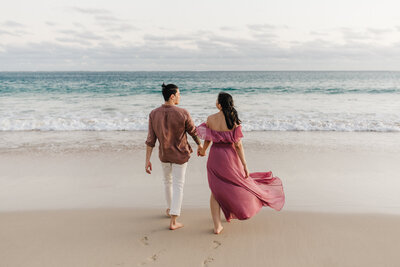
(218, 230)
(176, 225)
(167, 212)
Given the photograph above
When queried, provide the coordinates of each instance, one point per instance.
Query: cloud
(92, 11)
(78, 25)
(107, 19)
(199, 50)
(67, 31)
(113, 24)
(120, 28)
(89, 35)
(261, 27)
(4, 32)
(170, 38)
(228, 29)
(50, 23)
(369, 34)
(265, 32)
(379, 31)
(82, 35)
(266, 36)
(352, 35)
(318, 33)
(12, 28)
(12, 24)
(73, 40)
(13, 32)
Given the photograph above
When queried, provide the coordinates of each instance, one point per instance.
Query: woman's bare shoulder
(212, 117)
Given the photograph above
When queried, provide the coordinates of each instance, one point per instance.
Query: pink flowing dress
(239, 197)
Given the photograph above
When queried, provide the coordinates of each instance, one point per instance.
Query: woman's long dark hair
(228, 108)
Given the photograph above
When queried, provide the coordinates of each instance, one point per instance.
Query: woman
(237, 192)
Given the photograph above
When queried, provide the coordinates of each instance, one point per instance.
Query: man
(169, 124)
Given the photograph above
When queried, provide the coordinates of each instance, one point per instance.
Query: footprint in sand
(208, 261)
(216, 244)
(153, 258)
(145, 240)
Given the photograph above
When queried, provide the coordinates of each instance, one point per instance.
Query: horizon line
(199, 70)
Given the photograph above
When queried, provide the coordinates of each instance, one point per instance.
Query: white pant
(174, 178)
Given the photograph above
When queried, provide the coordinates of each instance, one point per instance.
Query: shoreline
(125, 141)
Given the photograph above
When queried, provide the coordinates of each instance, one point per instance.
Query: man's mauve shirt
(169, 124)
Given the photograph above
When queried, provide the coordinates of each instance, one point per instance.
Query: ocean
(367, 101)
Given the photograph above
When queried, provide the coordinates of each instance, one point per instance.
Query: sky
(160, 35)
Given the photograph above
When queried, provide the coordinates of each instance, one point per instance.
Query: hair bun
(163, 85)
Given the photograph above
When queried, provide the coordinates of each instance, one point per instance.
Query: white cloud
(12, 24)
(50, 23)
(210, 51)
(261, 27)
(209, 35)
(92, 11)
(4, 32)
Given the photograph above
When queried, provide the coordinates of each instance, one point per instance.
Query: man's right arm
(148, 166)
(150, 142)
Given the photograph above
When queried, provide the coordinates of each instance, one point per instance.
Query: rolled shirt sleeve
(151, 135)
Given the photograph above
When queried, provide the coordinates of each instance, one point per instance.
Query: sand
(90, 203)
(134, 237)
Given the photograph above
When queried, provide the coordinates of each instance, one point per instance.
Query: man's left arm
(150, 143)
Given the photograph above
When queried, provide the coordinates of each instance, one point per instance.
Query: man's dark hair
(168, 90)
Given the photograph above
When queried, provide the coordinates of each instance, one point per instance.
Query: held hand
(200, 151)
(148, 167)
(246, 172)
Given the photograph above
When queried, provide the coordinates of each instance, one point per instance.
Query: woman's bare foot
(218, 230)
(167, 212)
(176, 225)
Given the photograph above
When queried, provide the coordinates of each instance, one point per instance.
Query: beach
(74, 192)
(83, 199)
(86, 88)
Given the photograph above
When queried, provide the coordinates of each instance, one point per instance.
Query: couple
(237, 192)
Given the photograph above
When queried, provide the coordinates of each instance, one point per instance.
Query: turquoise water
(129, 83)
(266, 101)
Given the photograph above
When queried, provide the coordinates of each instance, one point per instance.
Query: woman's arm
(202, 152)
(206, 142)
(240, 151)
(205, 145)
